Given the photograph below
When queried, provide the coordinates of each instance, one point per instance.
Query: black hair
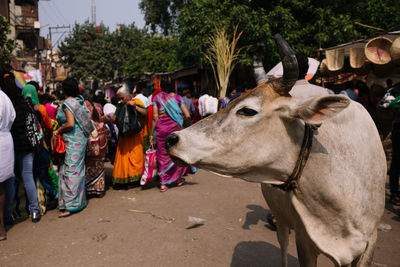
(70, 87)
(139, 88)
(44, 99)
(114, 100)
(7, 84)
(100, 99)
(169, 88)
(86, 95)
(302, 62)
(34, 83)
(58, 94)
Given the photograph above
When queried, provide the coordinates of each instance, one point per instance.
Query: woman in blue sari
(74, 119)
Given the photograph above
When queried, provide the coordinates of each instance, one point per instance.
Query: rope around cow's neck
(293, 180)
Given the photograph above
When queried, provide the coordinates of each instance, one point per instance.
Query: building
(24, 24)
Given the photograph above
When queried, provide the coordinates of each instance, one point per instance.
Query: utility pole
(64, 29)
(93, 13)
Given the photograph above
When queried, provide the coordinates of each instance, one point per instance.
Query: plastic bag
(150, 166)
(128, 120)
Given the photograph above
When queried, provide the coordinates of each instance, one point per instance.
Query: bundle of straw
(223, 55)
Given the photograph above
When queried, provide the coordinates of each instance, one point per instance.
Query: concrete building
(24, 23)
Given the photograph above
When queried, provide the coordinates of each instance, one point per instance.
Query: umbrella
(20, 78)
(277, 71)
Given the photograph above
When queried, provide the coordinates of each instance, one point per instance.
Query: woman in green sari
(74, 119)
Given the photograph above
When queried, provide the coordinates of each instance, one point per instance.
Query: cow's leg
(282, 232)
(306, 251)
(366, 258)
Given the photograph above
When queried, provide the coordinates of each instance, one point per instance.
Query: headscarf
(30, 91)
(156, 92)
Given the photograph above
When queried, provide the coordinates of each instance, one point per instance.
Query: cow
(320, 163)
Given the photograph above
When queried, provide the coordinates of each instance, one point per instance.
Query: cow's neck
(293, 180)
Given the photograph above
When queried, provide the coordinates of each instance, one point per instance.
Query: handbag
(128, 120)
(150, 166)
(57, 149)
(33, 129)
(93, 144)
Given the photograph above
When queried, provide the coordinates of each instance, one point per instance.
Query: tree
(6, 45)
(155, 54)
(161, 13)
(297, 21)
(222, 55)
(87, 52)
(123, 41)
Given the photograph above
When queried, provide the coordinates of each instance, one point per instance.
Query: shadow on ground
(259, 253)
(256, 214)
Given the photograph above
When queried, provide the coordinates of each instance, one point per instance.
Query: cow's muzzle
(171, 141)
(170, 144)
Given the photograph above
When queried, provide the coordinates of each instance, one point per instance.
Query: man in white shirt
(141, 97)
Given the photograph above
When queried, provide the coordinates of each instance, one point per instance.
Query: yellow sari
(129, 158)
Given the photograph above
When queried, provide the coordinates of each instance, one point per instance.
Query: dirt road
(143, 227)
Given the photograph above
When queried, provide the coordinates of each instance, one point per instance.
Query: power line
(58, 11)
(47, 14)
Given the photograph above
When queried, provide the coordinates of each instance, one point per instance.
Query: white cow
(336, 194)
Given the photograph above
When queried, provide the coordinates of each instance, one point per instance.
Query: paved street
(147, 228)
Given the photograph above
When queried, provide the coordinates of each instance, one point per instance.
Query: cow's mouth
(178, 161)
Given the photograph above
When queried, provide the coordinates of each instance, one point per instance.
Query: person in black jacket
(24, 151)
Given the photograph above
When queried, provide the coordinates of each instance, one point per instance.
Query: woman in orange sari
(129, 158)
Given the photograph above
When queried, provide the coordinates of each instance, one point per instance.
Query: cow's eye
(246, 112)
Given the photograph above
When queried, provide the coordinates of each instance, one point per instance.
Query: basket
(323, 68)
(377, 50)
(395, 50)
(357, 57)
(335, 59)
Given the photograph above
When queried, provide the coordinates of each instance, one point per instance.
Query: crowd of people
(55, 145)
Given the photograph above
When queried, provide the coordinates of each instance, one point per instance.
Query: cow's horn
(290, 66)
(259, 72)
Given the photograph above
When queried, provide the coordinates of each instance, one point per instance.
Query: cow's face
(257, 137)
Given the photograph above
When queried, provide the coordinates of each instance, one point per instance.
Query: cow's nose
(171, 140)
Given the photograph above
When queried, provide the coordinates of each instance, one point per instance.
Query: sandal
(163, 188)
(181, 181)
(64, 214)
(3, 236)
(395, 200)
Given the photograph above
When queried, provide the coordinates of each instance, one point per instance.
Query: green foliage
(87, 52)
(155, 54)
(125, 40)
(6, 45)
(297, 21)
(95, 53)
(161, 13)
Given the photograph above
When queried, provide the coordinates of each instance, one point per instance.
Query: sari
(167, 124)
(129, 158)
(95, 174)
(72, 195)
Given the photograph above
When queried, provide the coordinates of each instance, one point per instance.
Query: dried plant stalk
(223, 55)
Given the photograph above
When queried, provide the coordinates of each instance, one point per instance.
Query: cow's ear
(318, 109)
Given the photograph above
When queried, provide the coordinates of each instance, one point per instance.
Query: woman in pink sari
(168, 112)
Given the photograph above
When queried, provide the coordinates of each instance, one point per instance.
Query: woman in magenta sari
(168, 112)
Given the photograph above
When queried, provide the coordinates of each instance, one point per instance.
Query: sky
(68, 12)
